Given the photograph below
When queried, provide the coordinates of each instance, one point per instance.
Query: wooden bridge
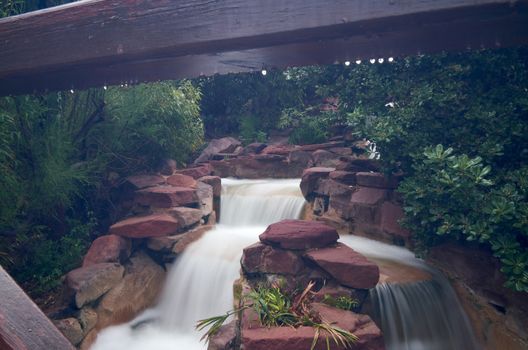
(97, 42)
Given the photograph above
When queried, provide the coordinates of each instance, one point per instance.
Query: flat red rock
(261, 258)
(166, 196)
(299, 234)
(180, 180)
(346, 265)
(109, 248)
(146, 226)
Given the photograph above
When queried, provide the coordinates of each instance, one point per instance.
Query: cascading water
(413, 316)
(424, 315)
(200, 282)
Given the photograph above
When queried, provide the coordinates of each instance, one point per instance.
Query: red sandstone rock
(278, 149)
(345, 177)
(317, 146)
(146, 226)
(301, 157)
(204, 192)
(377, 180)
(323, 158)
(186, 216)
(180, 180)
(390, 215)
(368, 196)
(143, 181)
(329, 187)
(109, 248)
(253, 148)
(166, 196)
(215, 146)
(365, 205)
(342, 151)
(169, 167)
(346, 265)
(215, 182)
(224, 339)
(310, 178)
(357, 164)
(71, 329)
(197, 172)
(261, 258)
(89, 283)
(299, 234)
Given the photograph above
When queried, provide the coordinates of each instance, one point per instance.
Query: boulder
(310, 178)
(215, 146)
(301, 157)
(318, 146)
(344, 177)
(146, 226)
(365, 205)
(144, 181)
(349, 163)
(323, 158)
(109, 248)
(186, 216)
(71, 329)
(89, 340)
(347, 266)
(390, 216)
(329, 187)
(215, 182)
(299, 234)
(261, 258)
(136, 291)
(166, 196)
(224, 339)
(196, 172)
(282, 150)
(164, 243)
(180, 180)
(87, 319)
(377, 180)
(89, 283)
(341, 151)
(254, 148)
(204, 193)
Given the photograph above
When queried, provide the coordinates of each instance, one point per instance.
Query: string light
(105, 87)
(264, 71)
(390, 59)
(358, 62)
(72, 91)
(372, 60)
(380, 60)
(347, 63)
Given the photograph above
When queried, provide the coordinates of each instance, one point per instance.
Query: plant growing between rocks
(276, 308)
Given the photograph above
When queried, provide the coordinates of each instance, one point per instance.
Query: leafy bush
(452, 196)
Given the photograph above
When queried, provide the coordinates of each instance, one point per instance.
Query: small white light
(380, 60)
(264, 72)
(347, 63)
(372, 60)
(72, 91)
(390, 59)
(105, 87)
(358, 61)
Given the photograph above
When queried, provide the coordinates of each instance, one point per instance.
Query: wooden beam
(96, 42)
(22, 325)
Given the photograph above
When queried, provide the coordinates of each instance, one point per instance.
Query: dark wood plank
(22, 325)
(96, 42)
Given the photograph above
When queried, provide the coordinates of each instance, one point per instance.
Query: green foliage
(341, 302)
(452, 196)
(278, 309)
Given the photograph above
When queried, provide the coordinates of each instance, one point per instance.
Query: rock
(87, 319)
(282, 150)
(144, 181)
(224, 339)
(269, 157)
(301, 157)
(344, 177)
(186, 216)
(204, 192)
(164, 243)
(357, 164)
(376, 180)
(283, 338)
(299, 234)
(180, 180)
(364, 205)
(109, 248)
(146, 226)
(196, 172)
(261, 258)
(215, 146)
(89, 340)
(189, 237)
(341, 151)
(346, 265)
(71, 329)
(137, 290)
(320, 146)
(166, 197)
(310, 179)
(253, 148)
(89, 283)
(215, 182)
(323, 158)
(329, 187)
(390, 215)
(169, 167)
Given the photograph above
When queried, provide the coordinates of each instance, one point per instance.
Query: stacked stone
(296, 252)
(356, 198)
(123, 271)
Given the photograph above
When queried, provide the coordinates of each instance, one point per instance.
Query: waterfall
(200, 283)
(424, 315)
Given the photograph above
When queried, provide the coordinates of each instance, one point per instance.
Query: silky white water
(199, 284)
